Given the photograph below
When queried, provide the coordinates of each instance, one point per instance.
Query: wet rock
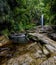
(1, 38)
(4, 53)
(33, 47)
(55, 60)
(4, 48)
(40, 52)
(31, 54)
(35, 55)
(39, 61)
(52, 36)
(46, 52)
(22, 60)
(5, 41)
(10, 61)
(48, 28)
(25, 58)
(50, 48)
(50, 61)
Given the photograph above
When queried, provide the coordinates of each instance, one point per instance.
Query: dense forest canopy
(19, 15)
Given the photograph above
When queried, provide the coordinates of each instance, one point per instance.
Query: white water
(42, 21)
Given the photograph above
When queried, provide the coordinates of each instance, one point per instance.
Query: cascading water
(42, 16)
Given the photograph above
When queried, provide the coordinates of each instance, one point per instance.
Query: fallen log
(43, 38)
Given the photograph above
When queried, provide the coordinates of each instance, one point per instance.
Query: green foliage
(17, 12)
(50, 12)
(21, 13)
(24, 12)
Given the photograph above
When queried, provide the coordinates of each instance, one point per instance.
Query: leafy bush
(20, 13)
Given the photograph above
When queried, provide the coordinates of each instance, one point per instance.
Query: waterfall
(42, 16)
